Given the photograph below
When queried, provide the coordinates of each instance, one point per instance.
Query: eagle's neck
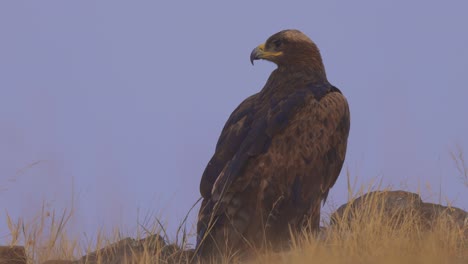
(285, 80)
(300, 73)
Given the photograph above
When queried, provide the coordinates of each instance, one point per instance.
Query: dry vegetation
(458, 158)
(369, 237)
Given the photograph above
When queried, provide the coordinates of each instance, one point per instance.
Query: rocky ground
(394, 205)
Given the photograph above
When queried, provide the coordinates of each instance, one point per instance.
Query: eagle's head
(289, 49)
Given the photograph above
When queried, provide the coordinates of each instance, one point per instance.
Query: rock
(12, 255)
(396, 205)
(114, 253)
(174, 254)
(431, 212)
(390, 202)
(152, 249)
(122, 251)
(153, 244)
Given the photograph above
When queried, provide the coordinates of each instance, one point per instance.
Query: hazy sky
(121, 102)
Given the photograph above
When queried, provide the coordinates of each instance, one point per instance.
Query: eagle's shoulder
(237, 121)
(271, 117)
(232, 135)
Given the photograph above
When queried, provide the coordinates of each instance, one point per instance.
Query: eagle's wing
(264, 126)
(232, 135)
(336, 154)
(254, 137)
(247, 133)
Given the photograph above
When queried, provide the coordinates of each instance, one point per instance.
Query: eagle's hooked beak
(260, 53)
(257, 53)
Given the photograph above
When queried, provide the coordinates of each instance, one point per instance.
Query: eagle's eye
(277, 43)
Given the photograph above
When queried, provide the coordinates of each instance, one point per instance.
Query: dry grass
(458, 158)
(373, 237)
(370, 237)
(44, 236)
(360, 236)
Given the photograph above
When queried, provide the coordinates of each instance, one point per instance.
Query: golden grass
(458, 158)
(369, 237)
(377, 239)
(366, 235)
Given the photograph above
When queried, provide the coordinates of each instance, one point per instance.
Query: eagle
(278, 155)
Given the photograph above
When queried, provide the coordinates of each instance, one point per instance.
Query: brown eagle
(278, 155)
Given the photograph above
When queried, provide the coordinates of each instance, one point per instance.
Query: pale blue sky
(123, 101)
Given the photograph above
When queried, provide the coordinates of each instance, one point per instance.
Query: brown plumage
(278, 155)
